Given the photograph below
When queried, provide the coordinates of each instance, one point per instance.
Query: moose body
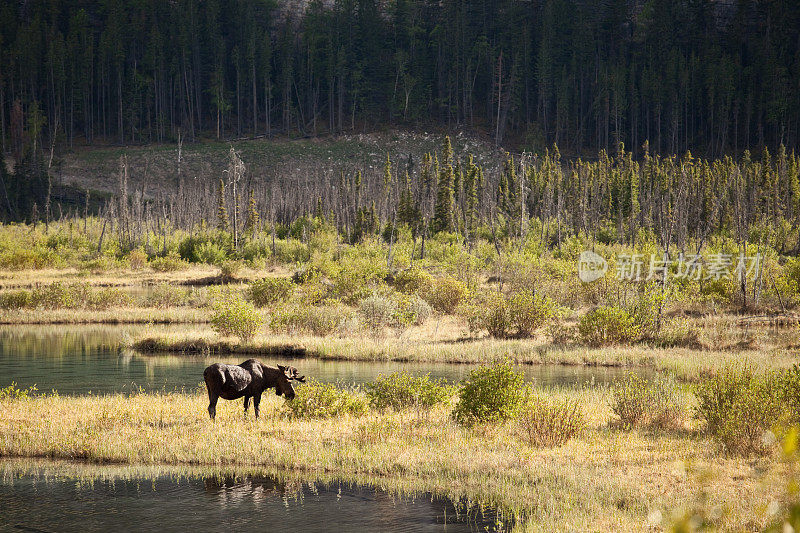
(247, 380)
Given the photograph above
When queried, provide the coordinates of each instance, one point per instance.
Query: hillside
(154, 169)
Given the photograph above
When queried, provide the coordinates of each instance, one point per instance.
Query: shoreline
(580, 484)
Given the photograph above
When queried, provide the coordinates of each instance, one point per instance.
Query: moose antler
(292, 373)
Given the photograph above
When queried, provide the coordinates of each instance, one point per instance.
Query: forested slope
(710, 76)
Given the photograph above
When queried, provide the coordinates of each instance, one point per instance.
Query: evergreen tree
(253, 219)
(443, 216)
(222, 211)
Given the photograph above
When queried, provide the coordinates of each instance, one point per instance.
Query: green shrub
(100, 264)
(491, 314)
(377, 311)
(16, 299)
(58, 295)
(13, 392)
(324, 400)
(168, 263)
(413, 281)
(546, 422)
(306, 274)
(165, 295)
(678, 333)
(789, 384)
(640, 402)
(229, 269)
(137, 259)
(268, 291)
(233, 315)
(29, 258)
(561, 334)
(106, 298)
(518, 315)
(402, 390)
(446, 294)
(318, 321)
(411, 309)
(490, 394)
(530, 311)
(739, 406)
(208, 247)
(210, 253)
(606, 326)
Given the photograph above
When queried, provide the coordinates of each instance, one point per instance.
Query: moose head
(283, 384)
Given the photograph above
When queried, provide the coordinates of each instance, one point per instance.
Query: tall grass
(610, 480)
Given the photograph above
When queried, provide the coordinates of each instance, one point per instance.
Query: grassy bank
(607, 479)
(686, 363)
(133, 315)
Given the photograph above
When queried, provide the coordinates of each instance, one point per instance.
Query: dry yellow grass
(686, 363)
(605, 480)
(23, 279)
(125, 315)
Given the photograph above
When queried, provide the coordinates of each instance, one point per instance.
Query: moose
(247, 380)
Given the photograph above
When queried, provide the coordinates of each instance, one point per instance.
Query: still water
(90, 359)
(41, 501)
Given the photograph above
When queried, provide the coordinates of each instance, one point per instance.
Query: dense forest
(711, 76)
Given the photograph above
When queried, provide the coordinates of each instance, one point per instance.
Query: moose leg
(212, 405)
(246, 404)
(256, 401)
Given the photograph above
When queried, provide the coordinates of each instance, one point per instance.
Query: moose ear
(282, 368)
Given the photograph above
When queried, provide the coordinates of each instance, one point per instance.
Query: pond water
(42, 501)
(90, 359)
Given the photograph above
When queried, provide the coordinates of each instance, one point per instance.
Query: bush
(549, 423)
(739, 406)
(228, 270)
(137, 259)
(211, 247)
(324, 400)
(268, 291)
(401, 390)
(106, 298)
(29, 258)
(790, 392)
(210, 253)
(446, 295)
(377, 311)
(57, 295)
(100, 264)
(305, 275)
(561, 334)
(530, 311)
(169, 263)
(519, 315)
(318, 321)
(606, 326)
(165, 295)
(640, 402)
(13, 392)
(233, 315)
(413, 281)
(411, 310)
(492, 314)
(679, 332)
(16, 299)
(490, 394)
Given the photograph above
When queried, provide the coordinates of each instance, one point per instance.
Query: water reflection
(90, 359)
(47, 500)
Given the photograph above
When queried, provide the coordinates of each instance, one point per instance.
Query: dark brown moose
(247, 380)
